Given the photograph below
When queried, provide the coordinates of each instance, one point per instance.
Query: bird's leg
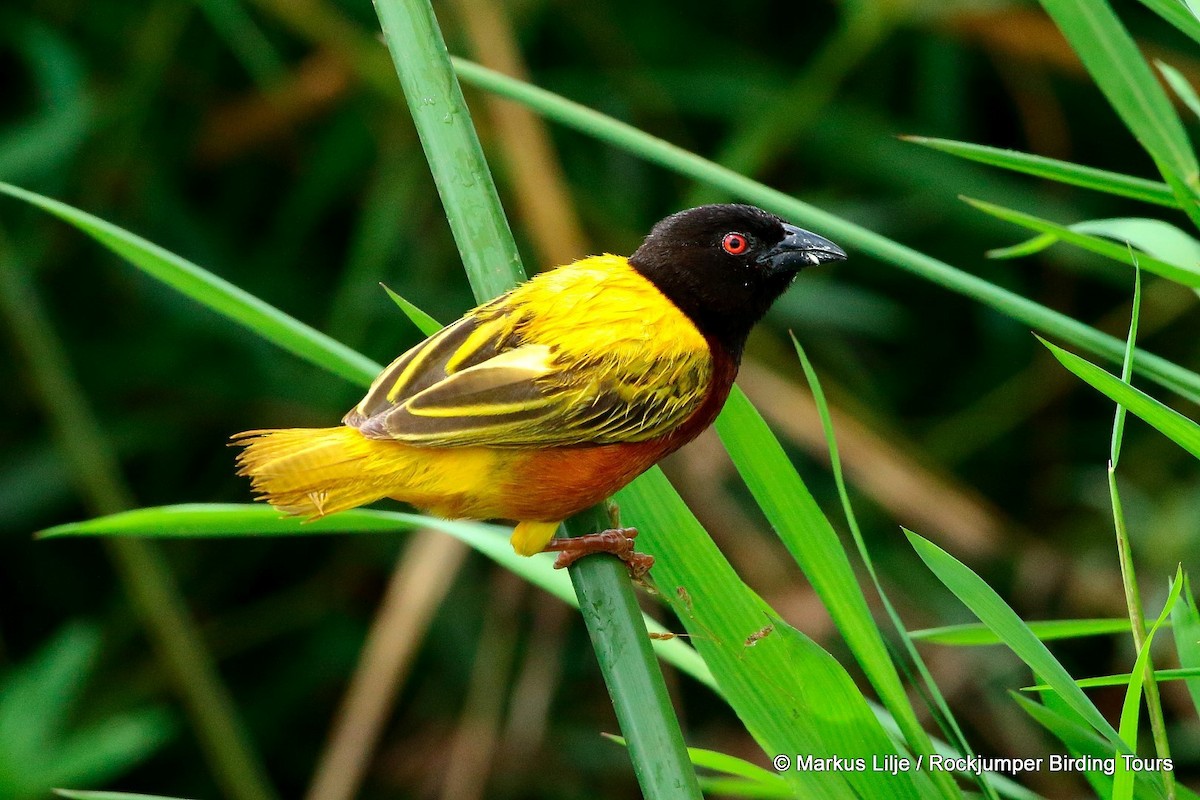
(617, 541)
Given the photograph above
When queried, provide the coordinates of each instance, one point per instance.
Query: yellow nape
(531, 538)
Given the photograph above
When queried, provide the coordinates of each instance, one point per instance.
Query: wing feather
(502, 377)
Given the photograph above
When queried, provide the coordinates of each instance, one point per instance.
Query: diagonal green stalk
(788, 116)
(857, 238)
(635, 682)
(139, 565)
(1133, 595)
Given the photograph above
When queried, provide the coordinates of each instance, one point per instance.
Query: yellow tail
(317, 471)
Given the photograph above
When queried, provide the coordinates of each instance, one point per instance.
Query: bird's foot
(616, 541)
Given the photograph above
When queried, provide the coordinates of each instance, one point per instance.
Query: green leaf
(1052, 169)
(1118, 432)
(1114, 62)
(792, 696)
(1123, 780)
(1026, 248)
(213, 292)
(739, 787)
(1176, 13)
(976, 634)
(1185, 621)
(1188, 273)
(1169, 422)
(937, 702)
(718, 610)
(75, 794)
(425, 323)
(1081, 741)
(731, 766)
(992, 611)
(239, 520)
(806, 532)
(1122, 679)
(1162, 240)
(1179, 84)
(856, 238)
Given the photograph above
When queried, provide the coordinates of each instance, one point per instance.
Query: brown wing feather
(520, 397)
(604, 359)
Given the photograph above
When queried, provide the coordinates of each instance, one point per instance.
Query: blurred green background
(268, 142)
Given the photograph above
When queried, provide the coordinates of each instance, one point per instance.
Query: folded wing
(489, 380)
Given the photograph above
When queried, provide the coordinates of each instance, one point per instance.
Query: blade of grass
(489, 253)
(938, 703)
(740, 787)
(1021, 249)
(1081, 741)
(976, 634)
(792, 696)
(811, 540)
(721, 612)
(212, 291)
(1180, 85)
(75, 794)
(1143, 674)
(1052, 169)
(1115, 64)
(722, 762)
(856, 237)
(1160, 239)
(1176, 427)
(1122, 679)
(425, 323)
(1185, 621)
(246, 40)
(1133, 596)
(1176, 13)
(997, 615)
(238, 520)
(1187, 274)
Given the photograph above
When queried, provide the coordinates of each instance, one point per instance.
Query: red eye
(735, 244)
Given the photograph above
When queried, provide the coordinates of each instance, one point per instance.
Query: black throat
(724, 311)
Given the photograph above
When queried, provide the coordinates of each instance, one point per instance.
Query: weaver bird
(550, 398)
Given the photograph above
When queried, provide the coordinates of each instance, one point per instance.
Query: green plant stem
(452, 148)
(1137, 624)
(857, 238)
(481, 231)
(140, 566)
(614, 622)
(1133, 596)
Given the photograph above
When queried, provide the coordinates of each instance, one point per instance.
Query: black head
(724, 265)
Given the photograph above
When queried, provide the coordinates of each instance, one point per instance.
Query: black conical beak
(800, 249)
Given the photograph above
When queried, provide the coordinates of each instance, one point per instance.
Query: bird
(551, 397)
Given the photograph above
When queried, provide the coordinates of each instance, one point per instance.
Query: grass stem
(634, 679)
